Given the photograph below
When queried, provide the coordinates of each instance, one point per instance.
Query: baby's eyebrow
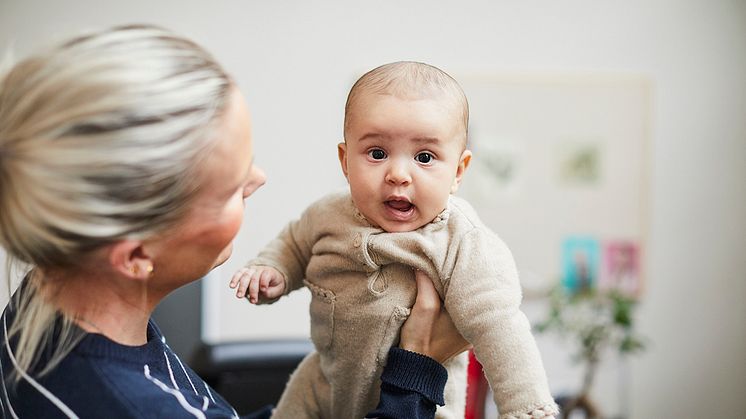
(426, 140)
(377, 136)
(371, 136)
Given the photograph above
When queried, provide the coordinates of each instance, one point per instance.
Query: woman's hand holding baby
(429, 329)
(258, 281)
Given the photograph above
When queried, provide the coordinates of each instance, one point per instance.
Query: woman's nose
(260, 176)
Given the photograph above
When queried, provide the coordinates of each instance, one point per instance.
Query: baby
(404, 154)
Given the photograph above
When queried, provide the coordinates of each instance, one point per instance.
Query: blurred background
(611, 130)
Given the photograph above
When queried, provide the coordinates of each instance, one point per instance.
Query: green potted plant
(594, 320)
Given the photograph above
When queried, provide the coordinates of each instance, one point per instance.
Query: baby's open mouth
(402, 206)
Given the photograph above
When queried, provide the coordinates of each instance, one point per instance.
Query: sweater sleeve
(290, 251)
(411, 386)
(483, 297)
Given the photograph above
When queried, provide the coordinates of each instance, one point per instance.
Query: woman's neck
(118, 309)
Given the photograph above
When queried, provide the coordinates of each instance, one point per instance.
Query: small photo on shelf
(580, 263)
(621, 270)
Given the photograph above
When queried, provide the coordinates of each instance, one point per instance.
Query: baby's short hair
(409, 80)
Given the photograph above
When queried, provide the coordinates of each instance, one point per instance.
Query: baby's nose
(398, 175)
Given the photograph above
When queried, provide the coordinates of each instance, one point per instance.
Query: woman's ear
(342, 152)
(463, 163)
(128, 257)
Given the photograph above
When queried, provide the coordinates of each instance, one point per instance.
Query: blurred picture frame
(561, 164)
(581, 260)
(621, 268)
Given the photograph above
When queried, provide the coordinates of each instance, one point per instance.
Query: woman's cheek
(234, 218)
(223, 235)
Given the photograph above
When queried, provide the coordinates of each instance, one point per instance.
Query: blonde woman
(125, 159)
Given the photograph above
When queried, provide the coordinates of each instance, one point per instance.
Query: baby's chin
(400, 226)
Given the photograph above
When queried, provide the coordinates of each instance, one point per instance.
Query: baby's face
(403, 158)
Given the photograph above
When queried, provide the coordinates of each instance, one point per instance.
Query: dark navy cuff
(415, 372)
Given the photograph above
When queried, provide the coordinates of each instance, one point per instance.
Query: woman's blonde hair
(100, 139)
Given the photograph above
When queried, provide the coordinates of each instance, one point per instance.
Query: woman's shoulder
(152, 380)
(99, 379)
(72, 388)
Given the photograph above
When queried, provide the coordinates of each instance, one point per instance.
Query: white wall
(296, 60)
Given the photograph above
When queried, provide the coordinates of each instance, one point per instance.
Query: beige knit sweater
(362, 287)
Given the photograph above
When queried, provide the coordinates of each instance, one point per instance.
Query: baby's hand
(256, 281)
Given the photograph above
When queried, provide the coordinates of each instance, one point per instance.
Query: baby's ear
(463, 163)
(342, 152)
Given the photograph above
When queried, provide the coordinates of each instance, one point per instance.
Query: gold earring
(150, 269)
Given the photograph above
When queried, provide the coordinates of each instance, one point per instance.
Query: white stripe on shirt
(170, 371)
(185, 373)
(5, 392)
(46, 393)
(209, 393)
(177, 394)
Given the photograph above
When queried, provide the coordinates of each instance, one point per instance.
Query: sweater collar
(98, 345)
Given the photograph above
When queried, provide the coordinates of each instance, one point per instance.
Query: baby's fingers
(254, 287)
(243, 282)
(264, 281)
(274, 291)
(260, 284)
(274, 287)
(237, 277)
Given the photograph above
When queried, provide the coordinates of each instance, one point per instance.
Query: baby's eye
(424, 158)
(377, 154)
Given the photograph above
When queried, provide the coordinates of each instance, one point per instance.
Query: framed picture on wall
(580, 264)
(560, 172)
(621, 268)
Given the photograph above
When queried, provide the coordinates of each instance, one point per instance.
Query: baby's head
(405, 150)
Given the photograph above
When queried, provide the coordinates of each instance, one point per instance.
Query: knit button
(358, 240)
